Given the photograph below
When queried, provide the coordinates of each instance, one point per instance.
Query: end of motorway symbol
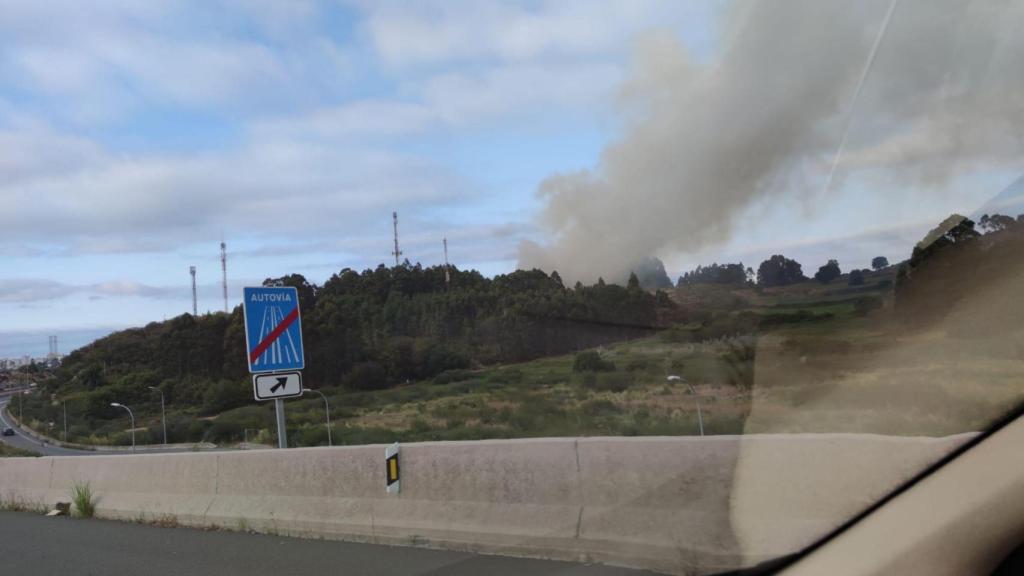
(273, 329)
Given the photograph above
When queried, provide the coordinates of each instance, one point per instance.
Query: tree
(591, 361)
(879, 262)
(856, 277)
(307, 292)
(956, 230)
(556, 278)
(715, 274)
(651, 274)
(779, 271)
(634, 282)
(828, 272)
(996, 223)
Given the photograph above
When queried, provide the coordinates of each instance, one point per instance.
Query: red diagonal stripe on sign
(262, 346)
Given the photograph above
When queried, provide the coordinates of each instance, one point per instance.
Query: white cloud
(97, 64)
(29, 290)
(35, 151)
(358, 118)
(92, 200)
(460, 100)
(442, 30)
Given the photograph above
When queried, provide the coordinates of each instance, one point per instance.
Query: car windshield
(669, 286)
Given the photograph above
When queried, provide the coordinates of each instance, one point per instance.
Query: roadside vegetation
(83, 500)
(933, 345)
(7, 451)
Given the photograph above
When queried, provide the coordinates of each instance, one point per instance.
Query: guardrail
(666, 504)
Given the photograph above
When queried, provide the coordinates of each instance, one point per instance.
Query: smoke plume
(791, 81)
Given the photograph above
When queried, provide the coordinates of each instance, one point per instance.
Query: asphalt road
(41, 546)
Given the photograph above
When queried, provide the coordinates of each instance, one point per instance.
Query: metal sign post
(282, 431)
(273, 342)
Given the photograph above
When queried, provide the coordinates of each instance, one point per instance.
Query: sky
(135, 136)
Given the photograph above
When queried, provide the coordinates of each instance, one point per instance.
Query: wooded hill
(365, 331)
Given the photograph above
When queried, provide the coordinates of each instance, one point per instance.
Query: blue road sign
(273, 329)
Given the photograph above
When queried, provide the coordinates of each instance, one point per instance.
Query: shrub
(506, 376)
(535, 414)
(589, 380)
(864, 306)
(856, 278)
(614, 382)
(677, 335)
(419, 426)
(591, 361)
(224, 395)
(449, 376)
(83, 499)
(608, 382)
(636, 365)
(315, 435)
(797, 317)
(599, 407)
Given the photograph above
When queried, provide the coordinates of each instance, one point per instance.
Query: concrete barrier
(25, 482)
(787, 494)
(145, 486)
(668, 504)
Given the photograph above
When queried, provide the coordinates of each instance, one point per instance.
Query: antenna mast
(397, 252)
(224, 271)
(192, 271)
(447, 270)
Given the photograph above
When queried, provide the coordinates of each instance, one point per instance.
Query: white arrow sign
(277, 385)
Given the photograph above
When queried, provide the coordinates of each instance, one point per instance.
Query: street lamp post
(700, 416)
(130, 415)
(163, 413)
(327, 410)
(65, 404)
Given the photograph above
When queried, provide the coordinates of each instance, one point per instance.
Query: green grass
(16, 503)
(12, 452)
(83, 499)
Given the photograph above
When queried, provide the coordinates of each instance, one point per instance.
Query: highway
(22, 440)
(41, 546)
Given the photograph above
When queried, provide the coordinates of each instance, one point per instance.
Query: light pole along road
(130, 415)
(163, 412)
(327, 409)
(700, 415)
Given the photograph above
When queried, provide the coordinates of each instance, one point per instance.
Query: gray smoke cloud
(766, 116)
